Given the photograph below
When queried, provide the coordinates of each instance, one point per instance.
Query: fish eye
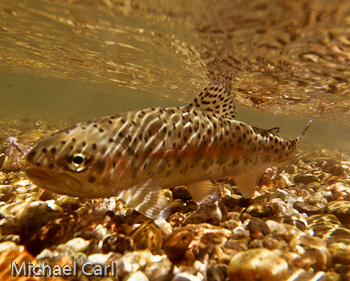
(78, 159)
(78, 162)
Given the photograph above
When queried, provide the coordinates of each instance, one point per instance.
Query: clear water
(77, 60)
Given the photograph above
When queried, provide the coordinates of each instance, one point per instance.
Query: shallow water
(81, 59)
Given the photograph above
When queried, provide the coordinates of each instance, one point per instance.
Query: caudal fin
(306, 128)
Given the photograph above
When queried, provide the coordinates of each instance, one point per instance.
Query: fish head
(69, 162)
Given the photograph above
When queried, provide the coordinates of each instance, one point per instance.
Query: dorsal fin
(215, 98)
(274, 130)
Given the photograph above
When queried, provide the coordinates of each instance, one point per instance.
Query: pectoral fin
(148, 199)
(248, 182)
(201, 191)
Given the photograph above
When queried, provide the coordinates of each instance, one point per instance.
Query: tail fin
(306, 128)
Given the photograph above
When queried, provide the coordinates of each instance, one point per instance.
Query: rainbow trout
(135, 154)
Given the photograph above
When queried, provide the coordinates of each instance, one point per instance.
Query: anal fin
(148, 199)
(248, 181)
(201, 191)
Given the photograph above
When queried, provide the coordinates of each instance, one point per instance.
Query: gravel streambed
(297, 228)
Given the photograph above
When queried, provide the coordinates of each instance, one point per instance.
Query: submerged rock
(256, 265)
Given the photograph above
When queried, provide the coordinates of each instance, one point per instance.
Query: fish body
(135, 154)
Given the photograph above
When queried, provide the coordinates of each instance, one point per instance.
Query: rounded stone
(117, 243)
(257, 264)
(78, 244)
(306, 179)
(341, 209)
(181, 192)
(136, 276)
(307, 208)
(340, 253)
(258, 228)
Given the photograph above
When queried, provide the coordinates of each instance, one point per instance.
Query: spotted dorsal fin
(215, 98)
(274, 130)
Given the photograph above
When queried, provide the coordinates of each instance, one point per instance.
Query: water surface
(76, 60)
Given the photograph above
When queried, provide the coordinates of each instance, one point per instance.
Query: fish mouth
(60, 183)
(38, 174)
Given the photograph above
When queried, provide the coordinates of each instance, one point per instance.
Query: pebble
(258, 228)
(217, 273)
(257, 264)
(153, 266)
(78, 244)
(212, 213)
(307, 208)
(136, 276)
(340, 253)
(305, 179)
(230, 201)
(181, 192)
(7, 245)
(176, 244)
(184, 276)
(341, 209)
(275, 226)
(262, 210)
(99, 258)
(148, 236)
(117, 243)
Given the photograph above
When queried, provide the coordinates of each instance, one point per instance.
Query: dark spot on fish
(73, 140)
(88, 122)
(123, 121)
(120, 135)
(53, 150)
(91, 179)
(174, 145)
(83, 128)
(168, 173)
(179, 134)
(110, 122)
(111, 140)
(208, 131)
(276, 150)
(37, 164)
(101, 130)
(283, 147)
(71, 147)
(244, 136)
(83, 143)
(94, 146)
(51, 166)
(133, 122)
(67, 132)
(44, 150)
(249, 141)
